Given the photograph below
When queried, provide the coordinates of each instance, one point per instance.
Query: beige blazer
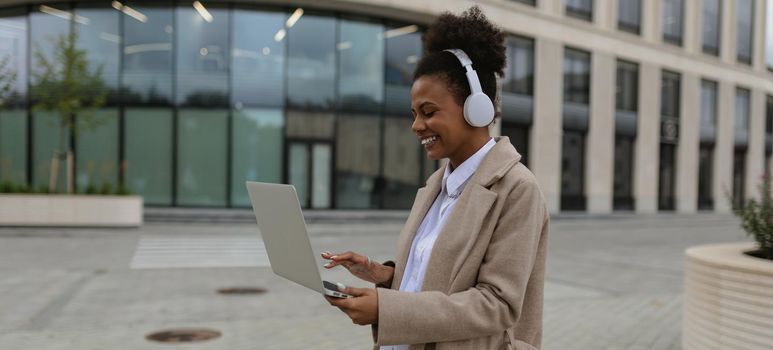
(483, 288)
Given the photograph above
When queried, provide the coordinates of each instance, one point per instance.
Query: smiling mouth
(428, 140)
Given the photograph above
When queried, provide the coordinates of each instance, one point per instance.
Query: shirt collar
(453, 182)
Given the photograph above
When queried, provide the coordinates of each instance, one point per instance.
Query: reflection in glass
(712, 23)
(321, 176)
(768, 35)
(96, 152)
(708, 103)
(627, 91)
(257, 144)
(669, 95)
(357, 162)
(403, 51)
(519, 73)
(744, 15)
(573, 171)
(667, 177)
(361, 71)
(311, 66)
(148, 153)
(147, 57)
(201, 150)
(739, 178)
(299, 171)
(742, 101)
(257, 59)
(582, 9)
(45, 133)
(672, 21)
(576, 76)
(202, 57)
(629, 15)
(13, 146)
(13, 115)
(623, 168)
(402, 161)
(100, 39)
(705, 177)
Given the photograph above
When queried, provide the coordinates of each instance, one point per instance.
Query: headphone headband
(462, 57)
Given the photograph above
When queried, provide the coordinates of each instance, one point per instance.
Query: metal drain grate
(242, 290)
(183, 335)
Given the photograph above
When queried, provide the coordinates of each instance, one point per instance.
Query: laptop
(278, 214)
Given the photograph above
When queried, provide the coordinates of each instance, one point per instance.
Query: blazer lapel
(458, 236)
(424, 199)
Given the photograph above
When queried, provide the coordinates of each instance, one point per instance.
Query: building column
(605, 16)
(724, 148)
(692, 26)
(646, 152)
(546, 131)
(651, 17)
(755, 154)
(689, 143)
(551, 7)
(599, 156)
(727, 42)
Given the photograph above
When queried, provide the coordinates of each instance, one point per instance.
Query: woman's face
(438, 120)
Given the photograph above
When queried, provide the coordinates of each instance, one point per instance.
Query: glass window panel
(361, 70)
(311, 66)
(744, 14)
(45, 29)
(96, 151)
(13, 146)
(623, 182)
(629, 15)
(708, 103)
(46, 135)
(769, 34)
(519, 73)
(627, 90)
(13, 56)
(201, 161)
(357, 161)
(99, 37)
(299, 171)
(769, 115)
(672, 21)
(670, 95)
(202, 57)
(257, 149)
(321, 175)
(582, 9)
(742, 108)
(403, 51)
(573, 171)
(712, 22)
(705, 172)
(147, 56)
(402, 163)
(148, 152)
(576, 76)
(258, 59)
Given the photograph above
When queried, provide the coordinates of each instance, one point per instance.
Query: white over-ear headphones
(478, 108)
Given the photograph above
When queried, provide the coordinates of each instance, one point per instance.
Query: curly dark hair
(475, 35)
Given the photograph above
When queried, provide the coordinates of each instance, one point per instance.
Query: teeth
(428, 140)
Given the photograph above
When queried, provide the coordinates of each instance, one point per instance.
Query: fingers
(346, 259)
(355, 292)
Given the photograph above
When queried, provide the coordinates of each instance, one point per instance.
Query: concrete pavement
(614, 282)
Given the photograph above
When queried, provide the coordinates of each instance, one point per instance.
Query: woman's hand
(360, 266)
(362, 308)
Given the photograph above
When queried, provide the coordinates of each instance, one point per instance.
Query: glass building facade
(201, 100)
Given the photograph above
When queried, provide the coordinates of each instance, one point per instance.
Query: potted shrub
(728, 300)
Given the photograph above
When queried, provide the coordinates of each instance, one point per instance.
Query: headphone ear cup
(478, 110)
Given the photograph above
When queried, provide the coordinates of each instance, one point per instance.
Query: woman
(470, 263)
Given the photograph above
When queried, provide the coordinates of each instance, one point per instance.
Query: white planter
(728, 298)
(70, 210)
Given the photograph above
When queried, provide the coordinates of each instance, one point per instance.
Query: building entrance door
(309, 169)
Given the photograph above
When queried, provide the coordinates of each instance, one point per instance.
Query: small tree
(66, 86)
(7, 78)
(757, 218)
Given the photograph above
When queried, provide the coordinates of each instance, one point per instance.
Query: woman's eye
(429, 114)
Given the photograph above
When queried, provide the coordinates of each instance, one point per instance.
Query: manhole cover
(241, 290)
(183, 335)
